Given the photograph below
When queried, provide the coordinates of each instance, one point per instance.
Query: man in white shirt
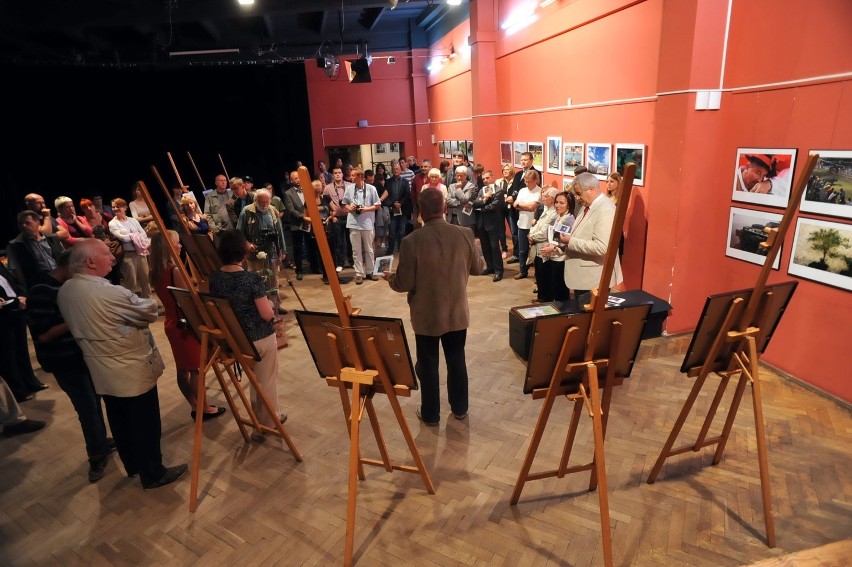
(110, 324)
(526, 204)
(361, 202)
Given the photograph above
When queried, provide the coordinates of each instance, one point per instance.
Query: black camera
(358, 209)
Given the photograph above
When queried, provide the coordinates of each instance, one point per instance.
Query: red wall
(659, 51)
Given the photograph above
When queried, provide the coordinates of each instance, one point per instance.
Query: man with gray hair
(460, 196)
(585, 246)
(435, 263)
(110, 324)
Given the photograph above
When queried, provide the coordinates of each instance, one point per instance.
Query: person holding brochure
(460, 196)
(551, 285)
(540, 234)
(489, 224)
(435, 263)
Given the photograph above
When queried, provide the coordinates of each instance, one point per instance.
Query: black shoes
(299, 276)
(513, 261)
(429, 423)
(97, 468)
(208, 416)
(23, 427)
(171, 475)
(488, 272)
(460, 416)
(40, 387)
(521, 277)
(498, 277)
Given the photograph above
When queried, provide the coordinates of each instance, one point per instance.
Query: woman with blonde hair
(197, 222)
(613, 182)
(185, 346)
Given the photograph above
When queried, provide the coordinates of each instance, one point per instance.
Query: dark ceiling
(119, 33)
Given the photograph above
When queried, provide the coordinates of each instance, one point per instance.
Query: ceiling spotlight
(245, 2)
(454, 2)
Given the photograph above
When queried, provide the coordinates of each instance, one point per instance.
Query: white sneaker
(338, 269)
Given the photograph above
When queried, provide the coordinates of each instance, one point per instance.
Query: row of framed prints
(562, 158)
(446, 148)
(822, 249)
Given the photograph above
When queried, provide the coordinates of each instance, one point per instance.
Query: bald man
(110, 324)
(434, 265)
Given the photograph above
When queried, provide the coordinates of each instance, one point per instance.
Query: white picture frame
(537, 151)
(748, 185)
(554, 155)
(626, 153)
(518, 149)
(599, 159)
(573, 156)
(805, 259)
(829, 190)
(745, 232)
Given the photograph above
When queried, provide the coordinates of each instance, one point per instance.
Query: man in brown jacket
(434, 265)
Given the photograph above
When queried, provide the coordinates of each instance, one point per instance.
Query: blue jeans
(523, 248)
(513, 228)
(427, 372)
(77, 384)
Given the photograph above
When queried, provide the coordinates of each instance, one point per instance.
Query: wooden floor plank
(259, 507)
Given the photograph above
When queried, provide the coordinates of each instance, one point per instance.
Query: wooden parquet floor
(259, 507)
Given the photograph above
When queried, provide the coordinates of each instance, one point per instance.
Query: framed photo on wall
(463, 147)
(445, 147)
(745, 234)
(537, 151)
(762, 176)
(573, 156)
(470, 151)
(627, 153)
(822, 251)
(829, 190)
(454, 147)
(554, 155)
(566, 183)
(394, 147)
(381, 148)
(506, 153)
(599, 159)
(519, 148)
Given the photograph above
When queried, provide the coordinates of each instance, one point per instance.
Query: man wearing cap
(764, 173)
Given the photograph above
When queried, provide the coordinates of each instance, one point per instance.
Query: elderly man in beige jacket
(434, 265)
(110, 323)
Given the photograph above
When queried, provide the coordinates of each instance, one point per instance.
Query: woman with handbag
(134, 240)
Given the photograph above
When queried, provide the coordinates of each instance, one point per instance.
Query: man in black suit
(300, 226)
(489, 223)
(517, 185)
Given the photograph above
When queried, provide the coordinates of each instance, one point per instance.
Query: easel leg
(607, 398)
(760, 433)
(354, 469)
(600, 465)
(711, 413)
(729, 421)
(681, 419)
(377, 432)
(235, 411)
(543, 416)
(572, 434)
(347, 413)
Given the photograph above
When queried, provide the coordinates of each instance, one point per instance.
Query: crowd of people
(82, 283)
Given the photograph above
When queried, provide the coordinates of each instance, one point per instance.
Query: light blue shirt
(365, 196)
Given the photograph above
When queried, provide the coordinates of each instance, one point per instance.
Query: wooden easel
(734, 350)
(220, 348)
(586, 393)
(365, 378)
